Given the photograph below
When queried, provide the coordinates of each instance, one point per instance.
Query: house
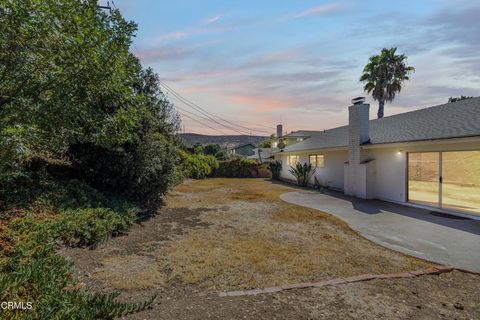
(428, 157)
(242, 150)
(261, 155)
(293, 137)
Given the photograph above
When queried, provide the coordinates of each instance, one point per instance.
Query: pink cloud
(261, 103)
(318, 10)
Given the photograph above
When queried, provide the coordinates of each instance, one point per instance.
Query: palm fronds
(302, 172)
(384, 75)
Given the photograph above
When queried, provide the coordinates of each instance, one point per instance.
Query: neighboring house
(294, 137)
(242, 150)
(264, 156)
(428, 157)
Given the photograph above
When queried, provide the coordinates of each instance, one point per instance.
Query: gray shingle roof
(302, 133)
(451, 120)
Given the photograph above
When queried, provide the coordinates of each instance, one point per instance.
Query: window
(317, 160)
(293, 160)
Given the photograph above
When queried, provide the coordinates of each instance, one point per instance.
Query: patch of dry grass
(130, 272)
(246, 237)
(274, 255)
(257, 240)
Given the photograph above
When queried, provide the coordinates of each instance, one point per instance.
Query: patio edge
(435, 270)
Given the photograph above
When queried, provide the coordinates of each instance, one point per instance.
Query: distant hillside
(224, 141)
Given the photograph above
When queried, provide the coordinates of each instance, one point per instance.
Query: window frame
(289, 161)
(317, 155)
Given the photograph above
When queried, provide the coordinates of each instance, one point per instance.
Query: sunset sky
(263, 62)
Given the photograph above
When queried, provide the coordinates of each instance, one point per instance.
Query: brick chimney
(279, 130)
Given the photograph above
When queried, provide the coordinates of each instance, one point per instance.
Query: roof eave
(423, 141)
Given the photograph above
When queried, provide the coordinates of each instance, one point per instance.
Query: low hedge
(237, 168)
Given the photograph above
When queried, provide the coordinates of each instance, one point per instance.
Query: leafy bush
(199, 166)
(275, 168)
(237, 168)
(302, 172)
(139, 171)
(87, 226)
(211, 149)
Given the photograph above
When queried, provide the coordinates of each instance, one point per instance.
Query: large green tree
(65, 69)
(384, 75)
(69, 83)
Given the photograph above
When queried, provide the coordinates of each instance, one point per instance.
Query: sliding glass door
(423, 178)
(449, 180)
(461, 181)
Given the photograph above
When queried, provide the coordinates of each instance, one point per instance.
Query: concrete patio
(440, 238)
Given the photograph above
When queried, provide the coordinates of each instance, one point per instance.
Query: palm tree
(384, 75)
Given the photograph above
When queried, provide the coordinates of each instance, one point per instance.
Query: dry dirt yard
(234, 234)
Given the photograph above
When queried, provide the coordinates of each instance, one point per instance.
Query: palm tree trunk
(381, 105)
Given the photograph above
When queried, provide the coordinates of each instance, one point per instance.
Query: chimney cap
(358, 100)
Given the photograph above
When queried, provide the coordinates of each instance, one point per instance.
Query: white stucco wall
(330, 175)
(391, 165)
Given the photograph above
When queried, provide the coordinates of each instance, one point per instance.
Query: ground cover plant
(38, 216)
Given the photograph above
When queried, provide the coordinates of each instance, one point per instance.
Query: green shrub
(275, 168)
(212, 149)
(237, 168)
(139, 171)
(88, 226)
(198, 166)
(302, 172)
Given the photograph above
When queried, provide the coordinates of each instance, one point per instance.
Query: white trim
(421, 142)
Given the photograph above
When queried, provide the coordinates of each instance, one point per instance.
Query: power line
(186, 102)
(210, 115)
(187, 111)
(204, 124)
(199, 116)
